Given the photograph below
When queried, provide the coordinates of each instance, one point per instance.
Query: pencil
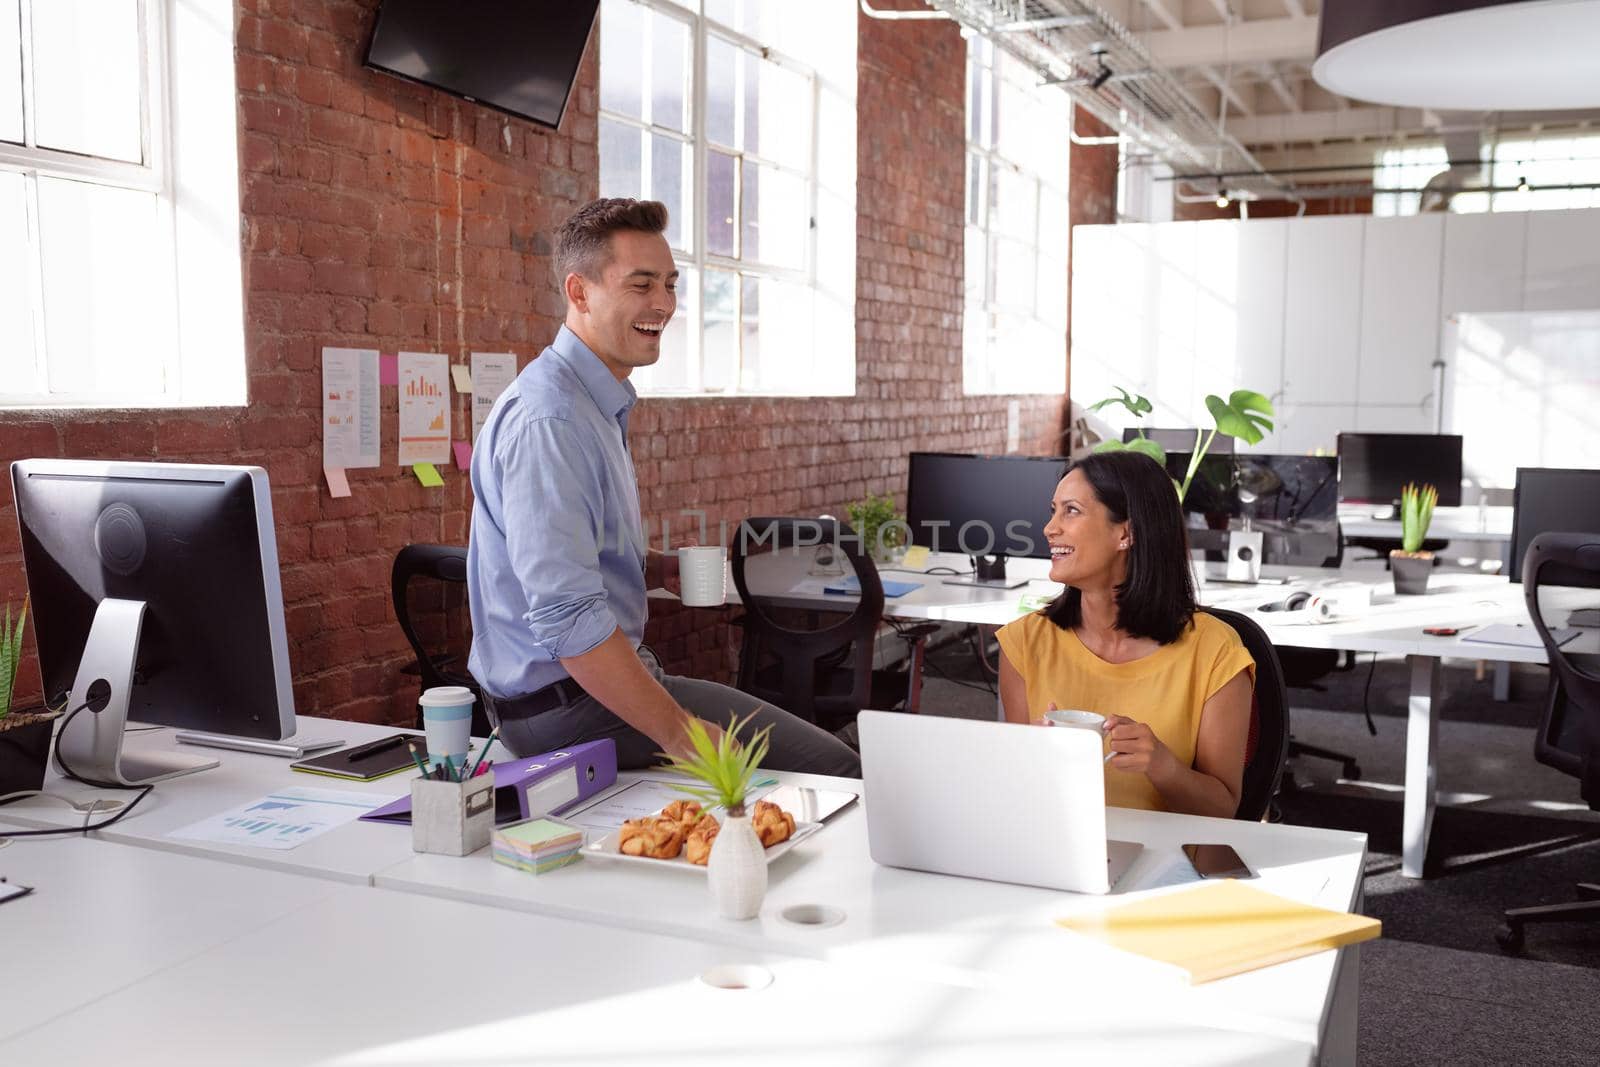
(492, 735)
(417, 756)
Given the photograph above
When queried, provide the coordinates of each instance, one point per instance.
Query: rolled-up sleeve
(553, 504)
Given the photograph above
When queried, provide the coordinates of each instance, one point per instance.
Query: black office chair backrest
(770, 634)
(1269, 718)
(1569, 736)
(442, 563)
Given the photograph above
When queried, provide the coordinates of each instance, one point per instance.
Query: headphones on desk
(1316, 608)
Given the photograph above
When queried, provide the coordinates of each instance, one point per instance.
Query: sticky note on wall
(428, 474)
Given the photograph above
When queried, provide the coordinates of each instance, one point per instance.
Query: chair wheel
(1510, 938)
(1352, 771)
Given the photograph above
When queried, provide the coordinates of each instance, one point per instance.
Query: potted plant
(737, 868)
(881, 528)
(1246, 415)
(24, 735)
(1411, 565)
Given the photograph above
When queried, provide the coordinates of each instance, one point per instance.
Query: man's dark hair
(583, 245)
(1156, 600)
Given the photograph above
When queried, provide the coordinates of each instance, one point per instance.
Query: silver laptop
(991, 800)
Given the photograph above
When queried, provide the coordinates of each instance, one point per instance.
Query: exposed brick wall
(381, 214)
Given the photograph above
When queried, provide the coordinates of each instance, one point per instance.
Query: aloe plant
(727, 766)
(1416, 512)
(10, 656)
(1246, 415)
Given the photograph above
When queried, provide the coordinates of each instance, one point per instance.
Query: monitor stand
(988, 573)
(91, 746)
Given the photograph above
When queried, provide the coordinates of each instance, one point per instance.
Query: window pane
(778, 114)
(1013, 205)
(10, 72)
(16, 319)
(669, 177)
(719, 206)
(750, 334)
(86, 77)
(775, 217)
(974, 245)
(107, 295)
(722, 69)
(1013, 274)
(621, 45)
(619, 159)
(721, 352)
(975, 191)
(669, 66)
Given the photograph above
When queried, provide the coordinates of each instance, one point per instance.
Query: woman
(1125, 640)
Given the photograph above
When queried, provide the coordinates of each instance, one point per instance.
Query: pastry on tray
(683, 812)
(771, 823)
(697, 846)
(655, 837)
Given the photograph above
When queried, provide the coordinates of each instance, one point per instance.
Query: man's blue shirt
(556, 556)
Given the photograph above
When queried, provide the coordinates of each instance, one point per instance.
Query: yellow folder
(1223, 928)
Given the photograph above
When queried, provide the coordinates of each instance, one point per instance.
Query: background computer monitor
(1288, 489)
(195, 546)
(1003, 501)
(1181, 440)
(1553, 500)
(1374, 466)
(1211, 490)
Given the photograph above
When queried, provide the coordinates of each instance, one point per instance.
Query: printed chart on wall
(350, 426)
(491, 373)
(424, 408)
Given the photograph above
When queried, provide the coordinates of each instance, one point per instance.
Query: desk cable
(96, 702)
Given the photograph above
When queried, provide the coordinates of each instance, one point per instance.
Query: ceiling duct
(1072, 43)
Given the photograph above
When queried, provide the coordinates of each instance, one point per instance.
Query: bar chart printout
(281, 820)
(424, 408)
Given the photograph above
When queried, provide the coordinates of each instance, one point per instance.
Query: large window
(1550, 172)
(1016, 233)
(94, 243)
(752, 149)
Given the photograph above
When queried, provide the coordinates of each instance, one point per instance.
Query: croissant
(656, 838)
(771, 823)
(697, 847)
(683, 812)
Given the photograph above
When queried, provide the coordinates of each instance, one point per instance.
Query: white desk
(104, 916)
(1491, 526)
(972, 934)
(356, 979)
(349, 853)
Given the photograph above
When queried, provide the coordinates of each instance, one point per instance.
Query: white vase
(737, 869)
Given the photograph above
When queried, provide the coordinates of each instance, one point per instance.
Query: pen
(415, 755)
(376, 747)
(492, 735)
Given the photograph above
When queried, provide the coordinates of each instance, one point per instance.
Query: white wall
(1338, 319)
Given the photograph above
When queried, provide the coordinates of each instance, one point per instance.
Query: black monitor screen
(1552, 500)
(1289, 489)
(518, 56)
(1374, 466)
(980, 505)
(1211, 488)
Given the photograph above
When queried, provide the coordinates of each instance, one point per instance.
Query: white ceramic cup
(447, 723)
(1083, 720)
(702, 575)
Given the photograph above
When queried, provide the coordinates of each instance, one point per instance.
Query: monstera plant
(1245, 414)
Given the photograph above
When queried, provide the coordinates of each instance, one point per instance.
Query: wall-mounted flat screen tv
(517, 56)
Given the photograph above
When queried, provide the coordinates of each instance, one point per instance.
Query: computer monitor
(986, 507)
(1181, 440)
(1553, 500)
(1211, 490)
(1287, 489)
(1374, 466)
(155, 597)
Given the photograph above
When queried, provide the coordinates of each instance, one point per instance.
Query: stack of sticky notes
(537, 845)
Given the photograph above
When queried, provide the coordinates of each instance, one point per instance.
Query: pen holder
(452, 818)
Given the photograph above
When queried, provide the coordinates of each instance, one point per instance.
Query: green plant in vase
(24, 735)
(1245, 414)
(726, 767)
(10, 656)
(1409, 563)
(881, 528)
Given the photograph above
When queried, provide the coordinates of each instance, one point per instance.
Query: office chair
(443, 563)
(1569, 733)
(1269, 720)
(818, 670)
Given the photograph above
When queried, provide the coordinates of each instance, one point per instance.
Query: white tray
(606, 849)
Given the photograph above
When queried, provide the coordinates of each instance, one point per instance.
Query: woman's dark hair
(1156, 600)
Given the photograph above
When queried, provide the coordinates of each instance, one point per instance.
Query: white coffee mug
(1083, 720)
(702, 575)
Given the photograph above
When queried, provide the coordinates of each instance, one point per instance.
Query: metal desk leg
(1422, 737)
(1502, 681)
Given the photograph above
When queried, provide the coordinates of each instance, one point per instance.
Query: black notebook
(365, 762)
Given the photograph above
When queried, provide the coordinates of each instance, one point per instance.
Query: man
(556, 567)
